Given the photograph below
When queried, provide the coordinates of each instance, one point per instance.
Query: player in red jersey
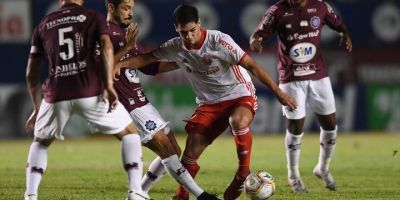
(67, 38)
(303, 74)
(216, 68)
(154, 131)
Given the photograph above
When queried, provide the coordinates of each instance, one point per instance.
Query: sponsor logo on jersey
(315, 22)
(66, 20)
(303, 23)
(311, 10)
(303, 52)
(131, 101)
(228, 46)
(298, 36)
(209, 71)
(68, 69)
(304, 69)
(288, 26)
(151, 125)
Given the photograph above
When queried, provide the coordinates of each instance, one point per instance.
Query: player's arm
(107, 57)
(264, 29)
(264, 77)
(34, 89)
(167, 66)
(135, 62)
(345, 39)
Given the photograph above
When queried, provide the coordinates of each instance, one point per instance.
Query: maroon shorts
(210, 120)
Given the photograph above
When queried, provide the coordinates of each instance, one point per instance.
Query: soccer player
(216, 67)
(303, 74)
(154, 131)
(67, 37)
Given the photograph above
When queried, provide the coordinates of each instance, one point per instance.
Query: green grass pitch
(365, 166)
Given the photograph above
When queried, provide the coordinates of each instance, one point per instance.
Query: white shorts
(53, 117)
(314, 94)
(149, 122)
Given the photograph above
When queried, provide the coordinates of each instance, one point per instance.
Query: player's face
(190, 32)
(124, 12)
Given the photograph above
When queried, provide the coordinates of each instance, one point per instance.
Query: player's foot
(326, 177)
(132, 195)
(235, 188)
(297, 185)
(31, 197)
(207, 196)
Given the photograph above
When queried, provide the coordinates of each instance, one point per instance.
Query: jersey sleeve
(37, 49)
(266, 26)
(331, 19)
(166, 51)
(229, 50)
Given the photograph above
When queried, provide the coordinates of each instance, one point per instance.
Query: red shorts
(210, 120)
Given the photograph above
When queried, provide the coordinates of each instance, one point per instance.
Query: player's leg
(240, 120)
(119, 124)
(294, 132)
(195, 146)
(161, 145)
(323, 104)
(49, 125)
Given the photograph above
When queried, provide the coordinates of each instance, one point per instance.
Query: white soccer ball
(259, 185)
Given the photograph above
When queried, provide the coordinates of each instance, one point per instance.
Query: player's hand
(30, 123)
(345, 41)
(110, 95)
(132, 33)
(256, 43)
(287, 100)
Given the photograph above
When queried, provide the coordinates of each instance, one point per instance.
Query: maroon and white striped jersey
(212, 69)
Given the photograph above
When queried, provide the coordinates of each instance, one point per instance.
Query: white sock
(131, 150)
(154, 174)
(327, 148)
(37, 164)
(179, 172)
(293, 149)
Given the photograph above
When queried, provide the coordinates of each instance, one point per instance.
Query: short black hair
(184, 14)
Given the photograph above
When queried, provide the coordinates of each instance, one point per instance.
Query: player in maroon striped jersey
(67, 37)
(154, 131)
(303, 74)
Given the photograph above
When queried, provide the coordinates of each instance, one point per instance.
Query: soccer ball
(259, 185)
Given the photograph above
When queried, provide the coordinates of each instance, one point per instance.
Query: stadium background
(366, 82)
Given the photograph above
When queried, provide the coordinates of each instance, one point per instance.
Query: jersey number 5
(66, 41)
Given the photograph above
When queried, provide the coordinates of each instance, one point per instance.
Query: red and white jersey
(212, 69)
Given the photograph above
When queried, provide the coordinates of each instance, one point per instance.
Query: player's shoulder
(175, 42)
(278, 7)
(216, 35)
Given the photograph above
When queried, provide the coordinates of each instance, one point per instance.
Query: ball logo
(302, 52)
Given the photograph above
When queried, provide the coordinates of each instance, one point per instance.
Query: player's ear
(110, 8)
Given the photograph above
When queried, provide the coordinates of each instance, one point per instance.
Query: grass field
(365, 167)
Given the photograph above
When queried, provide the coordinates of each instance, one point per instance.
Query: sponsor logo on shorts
(151, 125)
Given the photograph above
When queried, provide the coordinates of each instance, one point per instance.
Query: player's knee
(239, 123)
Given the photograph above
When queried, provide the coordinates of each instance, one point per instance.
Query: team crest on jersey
(207, 58)
(151, 125)
(315, 22)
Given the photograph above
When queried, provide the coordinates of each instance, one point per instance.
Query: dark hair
(184, 14)
(113, 2)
